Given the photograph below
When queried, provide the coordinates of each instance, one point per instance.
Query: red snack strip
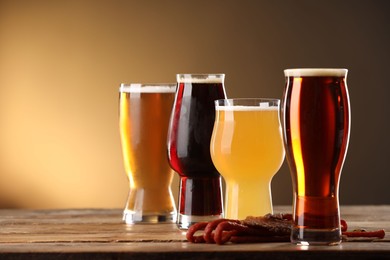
(208, 231)
(190, 235)
(344, 225)
(362, 233)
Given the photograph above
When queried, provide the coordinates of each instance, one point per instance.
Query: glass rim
(201, 78)
(316, 72)
(148, 87)
(246, 102)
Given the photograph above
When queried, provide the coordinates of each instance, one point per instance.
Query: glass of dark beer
(316, 128)
(189, 135)
(144, 112)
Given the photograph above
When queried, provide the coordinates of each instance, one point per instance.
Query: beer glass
(247, 149)
(189, 134)
(316, 121)
(144, 111)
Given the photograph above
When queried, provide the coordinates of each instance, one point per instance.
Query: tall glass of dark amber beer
(316, 127)
(189, 136)
(144, 111)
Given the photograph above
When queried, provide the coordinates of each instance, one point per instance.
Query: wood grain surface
(100, 234)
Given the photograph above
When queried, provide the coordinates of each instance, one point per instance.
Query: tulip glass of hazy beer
(144, 111)
(247, 149)
(316, 122)
(190, 129)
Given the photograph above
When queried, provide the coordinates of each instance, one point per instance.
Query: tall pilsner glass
(189, 135)
(316, 121)
(247, 149)
(144, 111)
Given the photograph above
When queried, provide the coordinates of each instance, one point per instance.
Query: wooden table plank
(184, 250)
(100, 233)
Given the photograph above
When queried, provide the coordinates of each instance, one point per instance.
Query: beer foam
(246, 108)
(200, 78)
(148, 88)
(315, 72)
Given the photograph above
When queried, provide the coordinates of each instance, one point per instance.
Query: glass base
(132, 217)
(306, 237)
(185, 221)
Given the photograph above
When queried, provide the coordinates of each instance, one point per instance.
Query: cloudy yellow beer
(247, 149)
(144, 113)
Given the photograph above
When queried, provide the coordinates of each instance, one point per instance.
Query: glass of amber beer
(316, 122)
(144, 111)
(190, 129)
(247, 149)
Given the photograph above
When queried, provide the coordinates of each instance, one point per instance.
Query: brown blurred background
(61, 63)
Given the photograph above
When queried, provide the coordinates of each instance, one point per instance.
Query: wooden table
(100, 234)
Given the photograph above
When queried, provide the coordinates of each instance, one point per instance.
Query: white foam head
(247, 104)
(200, 78)
(246, 108)
(315, 72)
(148, 88)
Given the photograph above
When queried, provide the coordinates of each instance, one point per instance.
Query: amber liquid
(189, 148)
(144, 119)
(316, 121)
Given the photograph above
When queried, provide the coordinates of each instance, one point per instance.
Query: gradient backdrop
(61, 63)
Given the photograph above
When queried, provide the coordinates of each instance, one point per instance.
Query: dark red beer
(316, 120)
(189, 136)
